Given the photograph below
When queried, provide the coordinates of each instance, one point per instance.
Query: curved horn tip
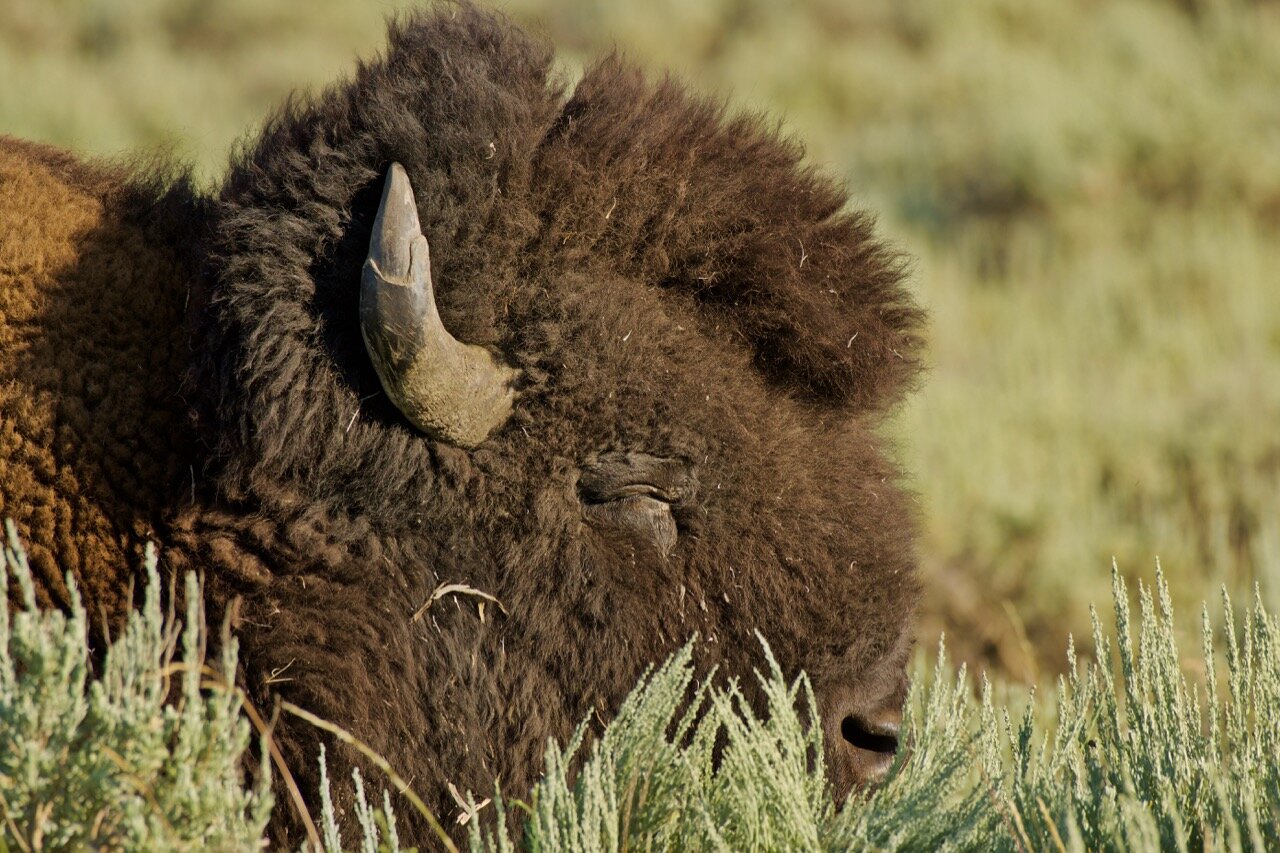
(395, 226)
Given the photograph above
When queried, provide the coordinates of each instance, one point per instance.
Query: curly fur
(92, 286)
(668, 278)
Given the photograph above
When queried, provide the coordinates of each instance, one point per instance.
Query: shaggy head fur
(693, 312)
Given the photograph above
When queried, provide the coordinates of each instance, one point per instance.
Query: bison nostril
(873, 738)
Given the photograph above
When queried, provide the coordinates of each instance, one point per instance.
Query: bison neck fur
(672, 283)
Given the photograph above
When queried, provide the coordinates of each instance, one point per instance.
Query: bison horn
(452, 391)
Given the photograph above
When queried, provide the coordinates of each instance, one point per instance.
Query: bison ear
(453, 392)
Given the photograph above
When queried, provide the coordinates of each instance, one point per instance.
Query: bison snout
(874, 742)
(861, 744)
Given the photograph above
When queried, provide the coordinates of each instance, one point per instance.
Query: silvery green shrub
(1128, 752)
(105, 759)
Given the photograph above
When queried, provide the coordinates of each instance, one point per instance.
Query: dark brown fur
(669, 279)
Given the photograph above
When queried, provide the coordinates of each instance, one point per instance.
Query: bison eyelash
(672, 497)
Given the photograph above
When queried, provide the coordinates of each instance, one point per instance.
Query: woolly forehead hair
(515, 182)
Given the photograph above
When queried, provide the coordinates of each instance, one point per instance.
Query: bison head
(678, 345)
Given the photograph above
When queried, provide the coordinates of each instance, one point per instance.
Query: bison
(611, 355)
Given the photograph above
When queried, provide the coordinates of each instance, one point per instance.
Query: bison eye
(635, 494)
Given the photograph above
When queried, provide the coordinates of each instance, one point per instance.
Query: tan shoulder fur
(90, 319)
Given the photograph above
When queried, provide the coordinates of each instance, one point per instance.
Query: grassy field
(1092, 190)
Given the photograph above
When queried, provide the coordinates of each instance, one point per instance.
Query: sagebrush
(101, 754)
(1143, 759)
(1142, 748)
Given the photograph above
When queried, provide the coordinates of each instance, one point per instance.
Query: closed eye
(638, 495)
(631, 490)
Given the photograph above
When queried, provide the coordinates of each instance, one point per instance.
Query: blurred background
(1091, 189)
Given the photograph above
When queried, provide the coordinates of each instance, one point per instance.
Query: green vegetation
(1142, 761)
(114, 759)
(1092, 190)
(110, 76)
(1134, 756)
